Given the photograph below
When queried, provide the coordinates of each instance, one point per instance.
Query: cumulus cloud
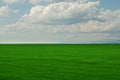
(5, 11)
(62, 13)
(80, 17)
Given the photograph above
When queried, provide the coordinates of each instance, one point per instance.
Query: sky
(59, 21)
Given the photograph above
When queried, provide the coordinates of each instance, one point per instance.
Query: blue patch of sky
(13, 18)
(110, 4)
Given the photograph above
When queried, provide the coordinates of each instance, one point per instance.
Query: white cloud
(76, 17)
(63, 12)
(20, 1)
(11, 1)
(5, 11)
(40, 1)
(34, 1)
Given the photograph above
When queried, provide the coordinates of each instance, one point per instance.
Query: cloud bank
(62, 21)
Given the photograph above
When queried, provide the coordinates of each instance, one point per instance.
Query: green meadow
(59, 62)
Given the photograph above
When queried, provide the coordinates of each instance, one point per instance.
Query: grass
(59, 62)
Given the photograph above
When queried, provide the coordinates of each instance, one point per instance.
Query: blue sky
(112, 4)
(67, 21)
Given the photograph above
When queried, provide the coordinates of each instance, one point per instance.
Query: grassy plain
(59, 62)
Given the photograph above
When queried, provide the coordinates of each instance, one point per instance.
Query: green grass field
(59, 62)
